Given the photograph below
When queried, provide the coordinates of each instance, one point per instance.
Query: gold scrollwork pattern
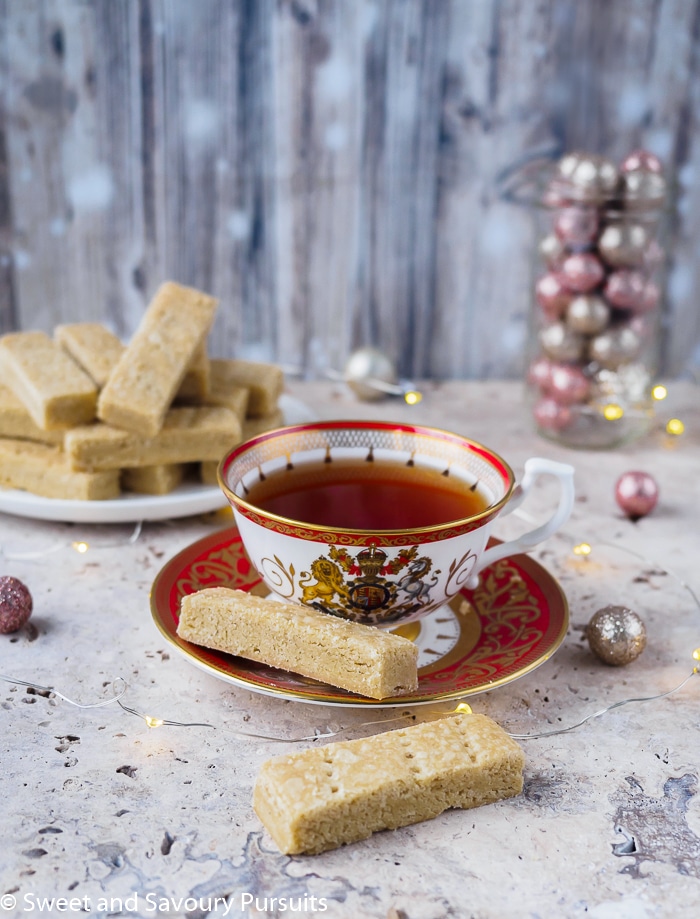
(393, 540)
(278, 577)
(459, 571)
(227, 567)
(511, 628)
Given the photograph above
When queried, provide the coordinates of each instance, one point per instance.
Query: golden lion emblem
(329, 581)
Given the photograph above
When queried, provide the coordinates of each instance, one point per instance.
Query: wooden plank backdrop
(328, 168)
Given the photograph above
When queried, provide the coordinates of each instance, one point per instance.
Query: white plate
(184, 501)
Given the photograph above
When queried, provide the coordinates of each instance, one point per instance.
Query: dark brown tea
(361, 495)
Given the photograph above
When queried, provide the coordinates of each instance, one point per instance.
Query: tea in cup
(376, 522)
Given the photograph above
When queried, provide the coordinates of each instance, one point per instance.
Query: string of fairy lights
(381, 381)
(581, 550)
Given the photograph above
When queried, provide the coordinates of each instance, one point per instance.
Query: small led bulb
(613, 412)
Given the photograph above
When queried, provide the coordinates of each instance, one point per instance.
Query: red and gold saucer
(514, 621)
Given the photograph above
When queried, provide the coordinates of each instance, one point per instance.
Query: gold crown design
(371, 561)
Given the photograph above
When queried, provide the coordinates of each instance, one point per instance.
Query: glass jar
(596, 289)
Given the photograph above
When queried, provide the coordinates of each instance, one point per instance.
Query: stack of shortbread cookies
(84, 416)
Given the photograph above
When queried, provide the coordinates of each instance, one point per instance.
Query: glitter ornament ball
(15, 604)
(366, 365)
(636, 493)
(616, 635)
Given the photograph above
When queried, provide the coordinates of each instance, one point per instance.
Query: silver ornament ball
(587, 314)
(560, 343)
(615, 347)
(366, 365)
(616, 635)
(643, 188)
(590, 177)
(623, 244)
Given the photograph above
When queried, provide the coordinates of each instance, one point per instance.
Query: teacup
(379, 523)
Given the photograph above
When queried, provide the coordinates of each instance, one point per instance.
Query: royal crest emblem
(362, 587)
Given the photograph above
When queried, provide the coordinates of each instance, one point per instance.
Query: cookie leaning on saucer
(290, 636)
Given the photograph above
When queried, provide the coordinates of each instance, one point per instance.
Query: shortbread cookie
(54, 390)
(265, 383)
(195, 385)
(92, 346)
(189, 435)
(223, 392)
(16, 422)
(209, 472)
(153, 480)
(343, 792)
(251, 427)
(98, 351)
(142, 386)
(44, 470)
(359, 658)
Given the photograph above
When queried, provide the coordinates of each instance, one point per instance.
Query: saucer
(510, 624)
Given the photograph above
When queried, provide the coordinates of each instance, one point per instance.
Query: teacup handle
(534, 468)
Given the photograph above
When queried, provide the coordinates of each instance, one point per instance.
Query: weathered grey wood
(327, 168)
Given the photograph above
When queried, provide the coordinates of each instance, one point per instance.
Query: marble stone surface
(132, 821)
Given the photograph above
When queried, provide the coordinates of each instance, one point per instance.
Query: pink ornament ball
(636, 494)
(642, 160)
(576, 226)
(581, 272)
(552, 296)
(552, 415)
(568, 384)
(15, 604)
(539, 372)
(632, 290)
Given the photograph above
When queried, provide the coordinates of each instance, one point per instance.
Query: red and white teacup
(379, 523)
